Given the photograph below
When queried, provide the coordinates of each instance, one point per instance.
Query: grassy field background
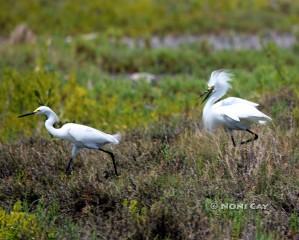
(173, 174)
(147, 17)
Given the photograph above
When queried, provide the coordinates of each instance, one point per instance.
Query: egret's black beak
(207, 94)
(26, 114)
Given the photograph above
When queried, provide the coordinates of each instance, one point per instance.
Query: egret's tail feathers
(117, 138)
(265, 119)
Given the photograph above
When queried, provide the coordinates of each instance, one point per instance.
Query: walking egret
(80, 135)
(231, 113)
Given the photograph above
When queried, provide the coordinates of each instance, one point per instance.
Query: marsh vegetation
(171, 171)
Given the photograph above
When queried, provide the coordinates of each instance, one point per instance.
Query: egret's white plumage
(231, 113)
(80, 135)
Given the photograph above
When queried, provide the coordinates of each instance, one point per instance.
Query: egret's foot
(112, 158)
(68, 170)
(106, 174)
(69, 167)
(109, 174)
(252, 139)
(233, 140)
(248, 141)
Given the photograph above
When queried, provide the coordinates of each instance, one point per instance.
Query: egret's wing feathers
(90, 137)
(235, 100)
(242, 111)
(232, 115)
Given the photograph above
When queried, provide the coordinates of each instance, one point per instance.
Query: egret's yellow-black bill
(26, 114)
(206, 94)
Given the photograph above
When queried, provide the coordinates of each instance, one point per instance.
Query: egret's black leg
(69, 167)
(112, 157)
(251, 139)
(232, 138)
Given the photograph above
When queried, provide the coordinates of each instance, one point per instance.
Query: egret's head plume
(219, 80)
(217, 85)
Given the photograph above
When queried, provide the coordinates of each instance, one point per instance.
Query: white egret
(231, 113)
(80, 135)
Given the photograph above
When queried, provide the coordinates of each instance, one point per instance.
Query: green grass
(62, 76)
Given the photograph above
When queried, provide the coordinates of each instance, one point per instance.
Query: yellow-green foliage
(17, 95)
(18, 224)
(112, 105)
(75, 100)
(145, 17)
(137, 213)
(88, 93)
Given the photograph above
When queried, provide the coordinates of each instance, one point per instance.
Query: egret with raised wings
(80, 135)
(231, 113)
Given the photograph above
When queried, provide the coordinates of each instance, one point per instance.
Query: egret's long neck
(51, 119)
(207, 115)
(214, 97)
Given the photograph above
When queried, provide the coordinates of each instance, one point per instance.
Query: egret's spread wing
(235, 100)
(231, 114)
(90, 136)
(242, 111)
